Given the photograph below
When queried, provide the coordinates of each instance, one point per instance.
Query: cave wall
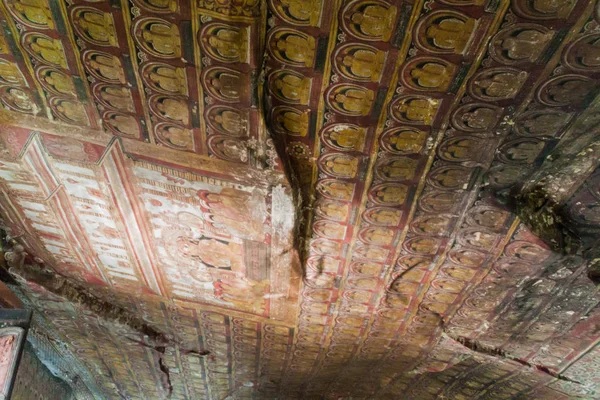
(35, 382)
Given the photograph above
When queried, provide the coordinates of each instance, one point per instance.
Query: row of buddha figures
(167, 84)
(229, 44)
(19, 97)
(495, 84)
(51, 71)
(443, 31)
(382, 220)
(438, 32)
(117, 103)
(373, 18)
(481, 235)
(364, 20)
(557, 102)
(115, 100)
(523, 255)
(290, 42)
(379, 227)
(388, 198)
(156, 36)
(544, 121)
(364, 278)
(428, 236)
(227, 82)
(14, 93)
(396, 168)
(227, 90)
(52, 67)
(38, 14)
(476, 118)
(446, 188)
(514, 44)
(478, 236)
(363, 62)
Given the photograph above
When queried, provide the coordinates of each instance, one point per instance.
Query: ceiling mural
(285, 199)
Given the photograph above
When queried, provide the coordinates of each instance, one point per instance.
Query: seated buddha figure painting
(213, 241)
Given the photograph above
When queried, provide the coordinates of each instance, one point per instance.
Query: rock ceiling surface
(294, 199)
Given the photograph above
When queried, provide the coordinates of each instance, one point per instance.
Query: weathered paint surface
(142, 150)
(46, 387)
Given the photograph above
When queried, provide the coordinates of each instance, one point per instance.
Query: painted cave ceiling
(286, 199)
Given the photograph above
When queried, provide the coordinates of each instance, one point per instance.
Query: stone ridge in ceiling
(285, 199)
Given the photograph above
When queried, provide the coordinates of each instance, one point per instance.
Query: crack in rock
(79, 296)
(166, 376)
(491, 351)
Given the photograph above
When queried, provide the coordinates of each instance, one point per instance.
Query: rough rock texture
(557, 201)
(34, 381)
